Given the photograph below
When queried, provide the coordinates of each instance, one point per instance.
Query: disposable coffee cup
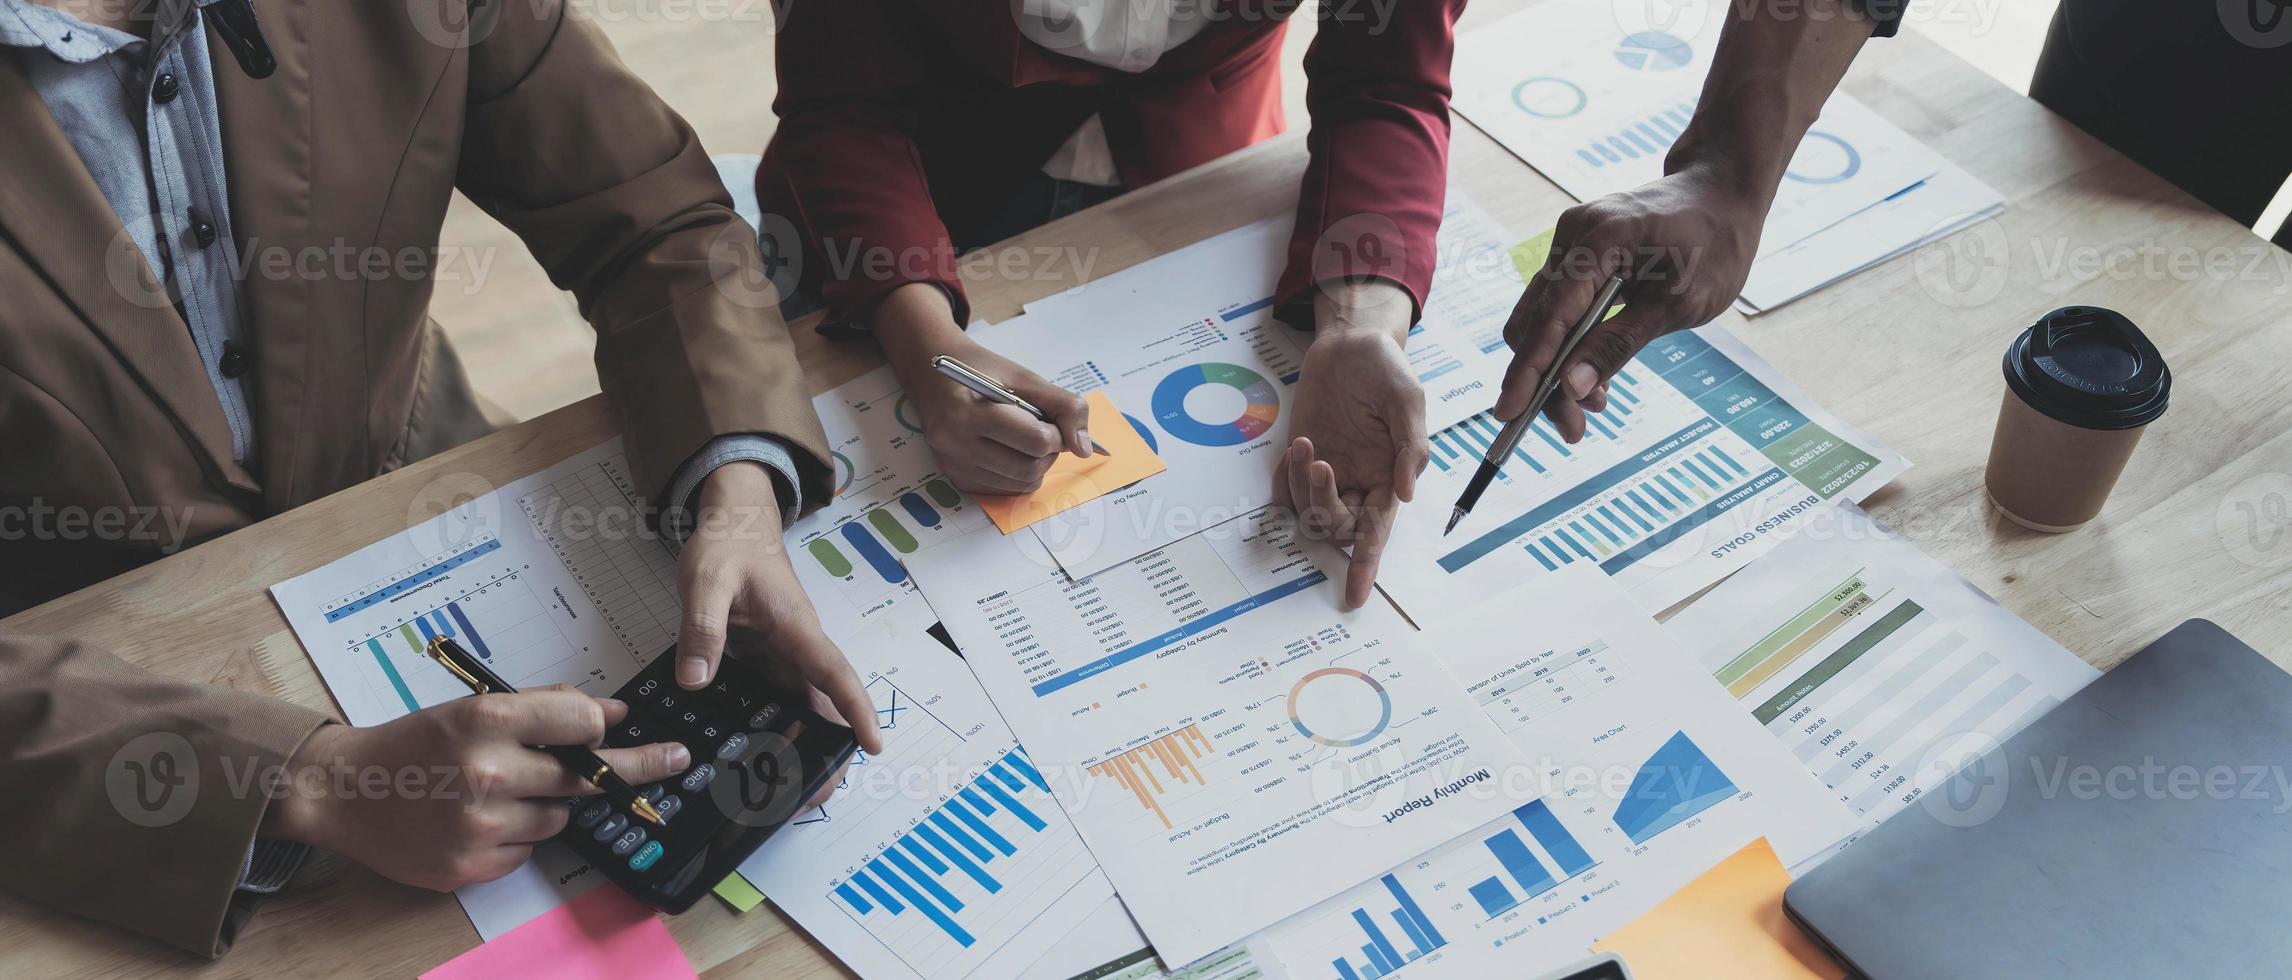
(2082, 384)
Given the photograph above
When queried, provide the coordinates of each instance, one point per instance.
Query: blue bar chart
(1383, 927)
(1687, 436)
(1675, 784)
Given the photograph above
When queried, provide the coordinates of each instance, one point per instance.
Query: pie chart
(1215, 404)
(1654, 51)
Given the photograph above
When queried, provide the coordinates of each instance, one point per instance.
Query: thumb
(1611, 345)
(708, 591)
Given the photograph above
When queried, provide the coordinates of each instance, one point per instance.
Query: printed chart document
(1231, 745)
(1593, 98)
(946, 856)
(1641, 776)
(1188, 345)
(554, 578)
(551, 579)
(1880, 670)
(1703, 454)
(890, 502)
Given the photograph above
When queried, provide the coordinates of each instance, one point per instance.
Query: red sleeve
(1370, 206)
(850, 175)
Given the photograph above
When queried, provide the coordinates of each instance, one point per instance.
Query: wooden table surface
(1909, 352)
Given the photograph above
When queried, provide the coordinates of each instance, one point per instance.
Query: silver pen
(1509, 437)
(995, 391)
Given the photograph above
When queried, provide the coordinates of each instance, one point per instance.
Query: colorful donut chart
(1263, 405)
(1340, 675)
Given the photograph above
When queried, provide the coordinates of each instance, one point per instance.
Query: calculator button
(698, 778)
(652, 793)
(669, 806)
(763, 716)
(731, 748)
(588, 816)
(610, 828)
(628, 841)
(646, 856)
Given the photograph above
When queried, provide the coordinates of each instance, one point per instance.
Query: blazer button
(233, 363)
(165, 88)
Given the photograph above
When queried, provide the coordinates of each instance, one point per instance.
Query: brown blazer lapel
(52, 212)
(267, 152)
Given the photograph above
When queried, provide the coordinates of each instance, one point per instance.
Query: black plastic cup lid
(2089, 367)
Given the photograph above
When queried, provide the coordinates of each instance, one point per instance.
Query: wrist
(1351, 309)
(298, 810)
(913, 323)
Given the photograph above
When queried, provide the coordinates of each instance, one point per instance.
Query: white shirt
(1125, 35)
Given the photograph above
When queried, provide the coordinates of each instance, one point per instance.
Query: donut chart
(1844, 163)
(1343, 686)
(844, 474)
(899, 411)
(1261, 404)
(1144, 433)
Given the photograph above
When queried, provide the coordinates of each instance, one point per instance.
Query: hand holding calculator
(758, 752)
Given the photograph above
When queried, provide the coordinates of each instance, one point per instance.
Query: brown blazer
(354, 147)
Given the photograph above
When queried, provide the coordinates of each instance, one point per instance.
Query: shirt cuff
(772, 451)
(270, 864)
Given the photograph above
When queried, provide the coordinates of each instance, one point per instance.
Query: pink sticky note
(602, 935)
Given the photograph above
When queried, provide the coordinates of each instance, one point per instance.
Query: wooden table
(1897, 351)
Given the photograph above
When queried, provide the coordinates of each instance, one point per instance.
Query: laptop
(2141, 829)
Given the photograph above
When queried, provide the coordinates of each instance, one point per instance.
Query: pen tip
(1455, 514)
(643, 808)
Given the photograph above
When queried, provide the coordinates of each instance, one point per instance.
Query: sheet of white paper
(944, 857)
(1186, 344)
(1641, 776)
(1594, 102)
(1233, 747)
(1943, 204)
(1876, 667)
(552, 578)
(1703, 453)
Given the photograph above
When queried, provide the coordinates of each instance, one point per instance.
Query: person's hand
(453, 794)
(1684, 245)
(739, 589)
(1357, 427)
(983, 447)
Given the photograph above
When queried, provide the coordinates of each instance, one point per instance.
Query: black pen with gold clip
(578, 760)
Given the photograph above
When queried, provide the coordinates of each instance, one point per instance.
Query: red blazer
(899, 118)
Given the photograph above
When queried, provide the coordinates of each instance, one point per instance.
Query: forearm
(913, 323)
(1770, 76)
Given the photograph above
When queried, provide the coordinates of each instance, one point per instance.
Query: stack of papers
(1595, 102)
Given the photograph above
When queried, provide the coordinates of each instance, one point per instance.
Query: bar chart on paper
(552, 579)
(890, 502)
(1692, 447)
(1527, 860)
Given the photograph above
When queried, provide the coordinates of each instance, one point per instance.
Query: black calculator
(758, 752)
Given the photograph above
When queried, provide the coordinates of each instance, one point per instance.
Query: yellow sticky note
(1727, 923)
(1528, 256)
(1073, 480)
(738, 893)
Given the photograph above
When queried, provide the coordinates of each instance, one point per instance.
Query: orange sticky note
(1074, 481)
(601, 935)
(1727, 923)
